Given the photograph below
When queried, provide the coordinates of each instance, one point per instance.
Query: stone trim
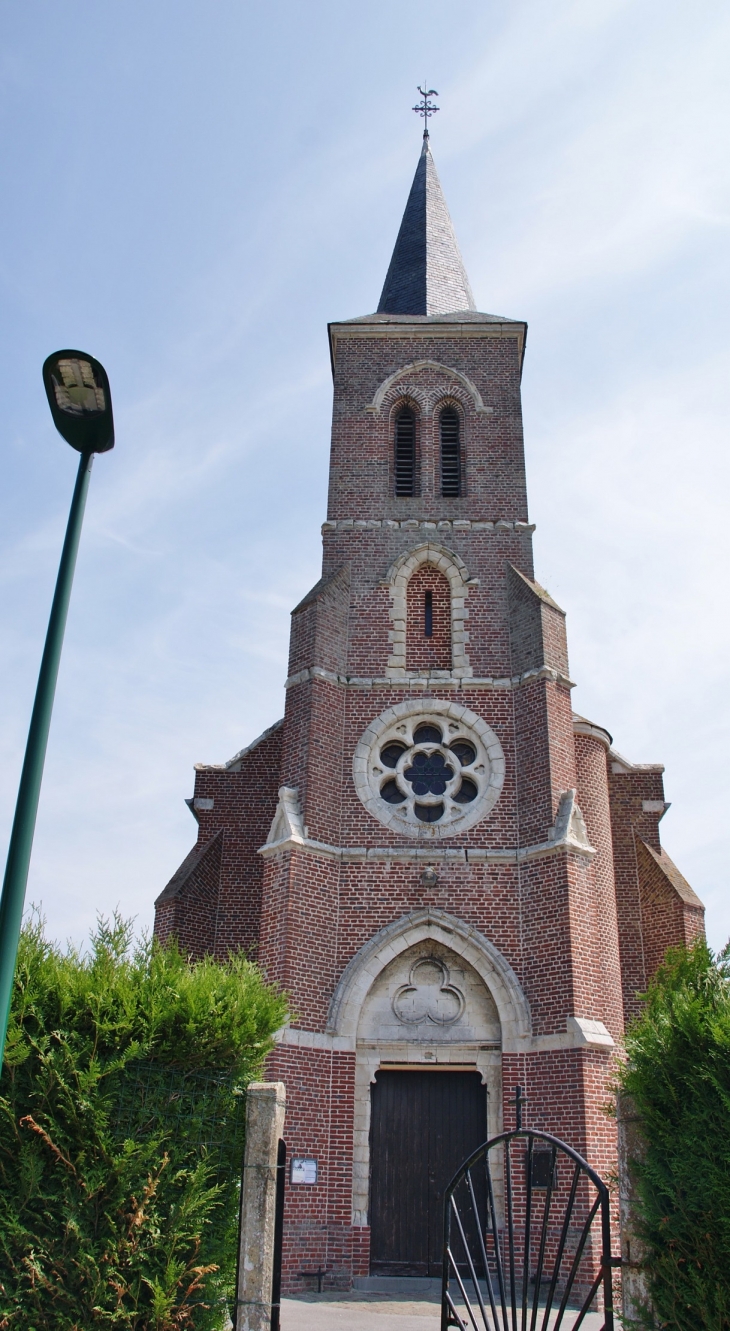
(295, 1038)
(592, 731)
(580, 1033)
(442, 679)
(462, 939)
(288, 833)
(446, 525)
(569, 828)
(429, 328)
(621, 766)
(391, 388)
(489, 750)
(397, 579)
(234, 763)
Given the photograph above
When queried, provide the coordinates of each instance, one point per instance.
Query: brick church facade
(450, 873)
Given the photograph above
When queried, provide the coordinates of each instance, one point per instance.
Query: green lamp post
(78, 394)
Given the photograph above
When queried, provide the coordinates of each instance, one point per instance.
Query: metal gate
(527, 1238)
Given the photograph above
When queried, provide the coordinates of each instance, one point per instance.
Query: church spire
(426, 273)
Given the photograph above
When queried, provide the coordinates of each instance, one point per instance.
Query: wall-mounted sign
(303, 1171)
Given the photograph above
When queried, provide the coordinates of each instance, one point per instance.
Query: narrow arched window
(405, 452)
(428, 620)
(450, 454)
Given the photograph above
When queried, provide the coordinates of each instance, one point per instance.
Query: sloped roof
(673, 876)
(426, 273)
(192, 861)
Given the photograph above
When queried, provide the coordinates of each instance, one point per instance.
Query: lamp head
(78, 394)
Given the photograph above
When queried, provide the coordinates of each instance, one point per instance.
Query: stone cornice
(440, 679)
(621, 766)
(455, 526)
(288, 833)
(427, 331)
(580, 1033)
(421, 854)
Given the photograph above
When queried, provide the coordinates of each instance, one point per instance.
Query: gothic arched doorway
(428, 1046)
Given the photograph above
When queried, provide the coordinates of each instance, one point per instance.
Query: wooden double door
(423, 1126)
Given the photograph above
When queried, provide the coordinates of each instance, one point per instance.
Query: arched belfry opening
(450, 454)
(405, 452)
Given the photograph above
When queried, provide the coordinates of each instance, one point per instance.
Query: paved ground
(372, 1312)
(363, 1312)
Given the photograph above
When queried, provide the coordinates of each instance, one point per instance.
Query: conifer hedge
(678, 1074)
(121, 1133)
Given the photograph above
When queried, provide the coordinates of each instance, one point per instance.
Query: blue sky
(190, 192)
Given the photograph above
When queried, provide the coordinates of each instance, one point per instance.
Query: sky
(191, 191)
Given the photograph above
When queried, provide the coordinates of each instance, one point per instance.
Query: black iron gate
(527, 1238)
(278, 1236)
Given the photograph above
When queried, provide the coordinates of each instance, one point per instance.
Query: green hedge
(678, 1074)
(121, 1133)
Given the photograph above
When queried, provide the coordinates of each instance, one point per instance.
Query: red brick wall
(593, 799)
(244, 803)
(187, 909)
(319, 1123)
(569, 925)
(669, 919)
(629, 819)
(362, 441)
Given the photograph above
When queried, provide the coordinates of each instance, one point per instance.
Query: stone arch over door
(427, 991)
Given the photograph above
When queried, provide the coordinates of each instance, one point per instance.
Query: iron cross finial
(426, 108)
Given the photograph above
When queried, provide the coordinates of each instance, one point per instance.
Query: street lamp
(78, 394)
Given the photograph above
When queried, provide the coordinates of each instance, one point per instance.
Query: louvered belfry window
(450, 454)
(405, 452)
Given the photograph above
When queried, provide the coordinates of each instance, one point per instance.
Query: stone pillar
(265, 1106)
(634, 1284)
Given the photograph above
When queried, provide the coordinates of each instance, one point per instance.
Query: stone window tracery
(430, 770)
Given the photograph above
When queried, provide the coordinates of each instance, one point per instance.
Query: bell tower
(431, 854)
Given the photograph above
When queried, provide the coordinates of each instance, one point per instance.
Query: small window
(428, 615)
(450, 454)
(405, 453)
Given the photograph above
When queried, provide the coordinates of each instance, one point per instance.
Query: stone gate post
(634, 1284)
(265, 1109)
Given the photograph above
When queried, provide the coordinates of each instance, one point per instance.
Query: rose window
(429, 775)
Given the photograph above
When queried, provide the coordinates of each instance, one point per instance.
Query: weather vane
(426, 108)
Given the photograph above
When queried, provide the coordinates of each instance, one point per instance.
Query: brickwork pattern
(671, 913)
(579, 921)
(216, 907)
(431, 652)
(630, 790)
(593, 797)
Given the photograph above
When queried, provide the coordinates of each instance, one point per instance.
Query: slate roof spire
(426, 273)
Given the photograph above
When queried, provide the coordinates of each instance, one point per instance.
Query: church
(458, 881)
